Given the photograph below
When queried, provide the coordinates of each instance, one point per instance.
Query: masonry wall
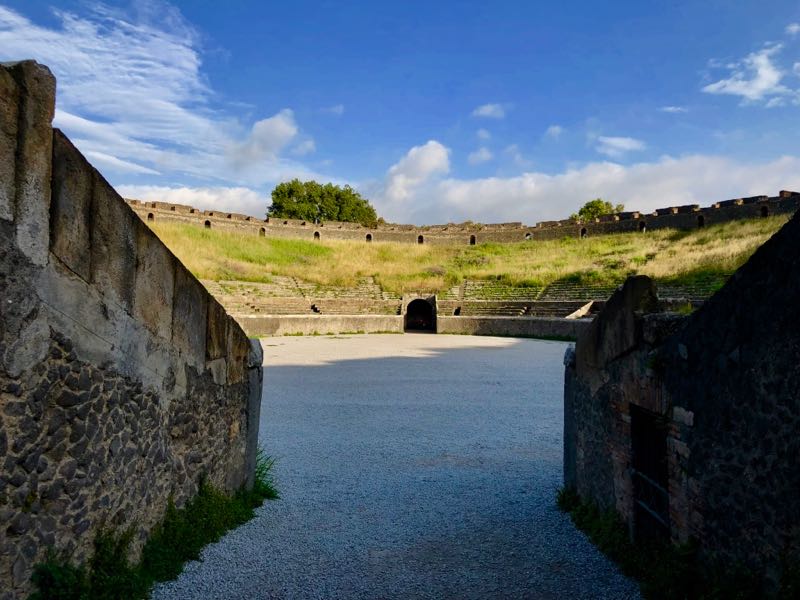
(726, 383)
(681, 217)
(121, 379)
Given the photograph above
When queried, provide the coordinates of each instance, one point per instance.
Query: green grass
(665, 571)
(179, 538)
(701, 257)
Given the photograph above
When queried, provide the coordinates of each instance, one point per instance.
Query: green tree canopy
(312, 201)
(596, 208)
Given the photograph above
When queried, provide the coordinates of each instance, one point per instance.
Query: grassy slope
(668, 255)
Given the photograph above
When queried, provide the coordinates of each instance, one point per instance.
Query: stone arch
(701, 221)
(765, 211)
(420, 316)
(369, 237)
(316, 235)
(230, 216)
(642, 226)
(472, 240)
(151, 217)
(420, 239)
(207, 224)
(262, 232)
(528, 236)
(584, 232)
(172, 208)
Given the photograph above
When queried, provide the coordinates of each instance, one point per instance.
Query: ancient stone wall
(681, 217)
(721, 389)
(122, 380)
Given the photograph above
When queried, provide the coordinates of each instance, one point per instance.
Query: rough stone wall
(727, 382)
(121, 379)
(682, 217)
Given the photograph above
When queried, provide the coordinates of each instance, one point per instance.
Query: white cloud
(490, 111)
(753, 79)
(616, 147)
(516, 155)
(536, 196)
(336, 110)
(131, 93)
(266, 140)
(674, 109)
(483, 134)
(481, 155)
(304, 147)
(554, 131)
(793, 29)
(419, 165)
(230, 199)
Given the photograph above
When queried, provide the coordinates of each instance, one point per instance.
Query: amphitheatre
(150, 353)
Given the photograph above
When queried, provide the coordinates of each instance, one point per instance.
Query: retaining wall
(319, 324)
(690, 427)
(680, 217)
(121, 379)
(535, 327)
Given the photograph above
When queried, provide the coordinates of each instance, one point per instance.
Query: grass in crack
(179, 538)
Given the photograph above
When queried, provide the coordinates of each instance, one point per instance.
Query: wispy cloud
(481, 155)
(483, 134)
(336, 110)
(554, 132)
(617, 147)
(490, 111)
(793, 29)
(755, 78)
(132, 95)
(517, 157)
(674, 109)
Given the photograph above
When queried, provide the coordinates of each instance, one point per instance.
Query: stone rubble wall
(122, 381)
(681, 217)
(726, 381)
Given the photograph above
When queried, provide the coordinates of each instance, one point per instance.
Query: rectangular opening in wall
(650, 475)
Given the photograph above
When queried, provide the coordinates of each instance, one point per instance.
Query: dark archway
(420, 316)
(642, 226)
(150, 217)
(528, 236)
(765, 211)
(701, 221)
(207, 224)
(262, 232)
(420, 240)
(369, 237)
(584, 233)
(472, 240)
(316, 235)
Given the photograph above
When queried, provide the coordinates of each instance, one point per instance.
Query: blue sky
(437, 112)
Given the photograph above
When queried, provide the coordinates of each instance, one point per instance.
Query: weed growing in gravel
(665, 571)
(179, 538)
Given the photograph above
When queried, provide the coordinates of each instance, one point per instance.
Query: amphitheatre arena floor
(409, 466)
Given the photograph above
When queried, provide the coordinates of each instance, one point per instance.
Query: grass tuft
(179, 538)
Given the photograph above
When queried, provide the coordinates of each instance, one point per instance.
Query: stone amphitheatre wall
(680, 217)
(688, 427)
(121, 379)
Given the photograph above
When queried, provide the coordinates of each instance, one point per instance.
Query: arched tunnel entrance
(420, 316)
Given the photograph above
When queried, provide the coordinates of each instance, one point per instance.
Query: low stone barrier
(534, 327)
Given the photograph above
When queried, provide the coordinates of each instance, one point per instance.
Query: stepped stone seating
(479, 289)
(357, 307)
(698, 291)
(555, 308)
(488, 308)
(570, 291)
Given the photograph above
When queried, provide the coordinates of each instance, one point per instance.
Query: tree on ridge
(313, 201)
(596, 208)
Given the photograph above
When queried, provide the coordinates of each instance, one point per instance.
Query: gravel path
(410, 466)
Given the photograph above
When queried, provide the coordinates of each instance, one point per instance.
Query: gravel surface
(409, 466)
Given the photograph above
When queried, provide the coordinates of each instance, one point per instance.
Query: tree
(312, 201)
(596, 208)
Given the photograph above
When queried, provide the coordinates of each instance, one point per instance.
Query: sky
(435, 111)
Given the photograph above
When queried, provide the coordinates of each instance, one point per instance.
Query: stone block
(113, 244)
(9, 115)
(255, 374)
(238, 350)
(189, 316)
(37, 88)
(155, 282)
(216, 331)
(71, 207)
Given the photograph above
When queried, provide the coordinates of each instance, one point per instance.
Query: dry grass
(667, 255)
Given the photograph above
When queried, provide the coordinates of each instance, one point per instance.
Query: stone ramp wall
(724, 388)
(121, 379)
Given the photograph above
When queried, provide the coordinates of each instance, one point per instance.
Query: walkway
(410, 466)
